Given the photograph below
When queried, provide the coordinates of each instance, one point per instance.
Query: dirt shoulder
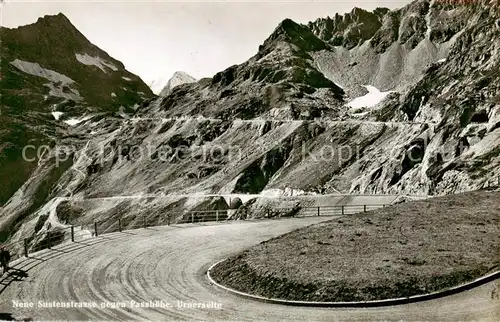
(404, 250)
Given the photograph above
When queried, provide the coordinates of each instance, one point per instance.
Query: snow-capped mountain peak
(178, 78)
(163, 85)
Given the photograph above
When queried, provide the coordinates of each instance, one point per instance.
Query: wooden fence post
(72, 234)
(318, 211)
(119, 224)
(217, 215)
(343, 210)
(95, 229)
(25, 247)
(192, 218)
(364, 208)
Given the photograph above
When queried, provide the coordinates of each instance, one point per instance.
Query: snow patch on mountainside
(57, 115)
(95, 61)
(36, 70)
(371, 99)
(59, 83)
(75, 121)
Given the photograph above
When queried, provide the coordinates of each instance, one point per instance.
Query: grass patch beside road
(408, 249)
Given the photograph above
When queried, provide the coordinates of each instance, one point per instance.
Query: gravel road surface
(169, 264)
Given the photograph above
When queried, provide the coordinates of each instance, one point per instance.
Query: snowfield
(95, 61)
(57, 81)
(36, 70)
(57, 115)
(371, 99)
(169, 264)
(74, 121)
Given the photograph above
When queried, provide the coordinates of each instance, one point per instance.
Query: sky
(153, 39)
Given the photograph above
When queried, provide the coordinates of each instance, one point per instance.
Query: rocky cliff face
(286, 119)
